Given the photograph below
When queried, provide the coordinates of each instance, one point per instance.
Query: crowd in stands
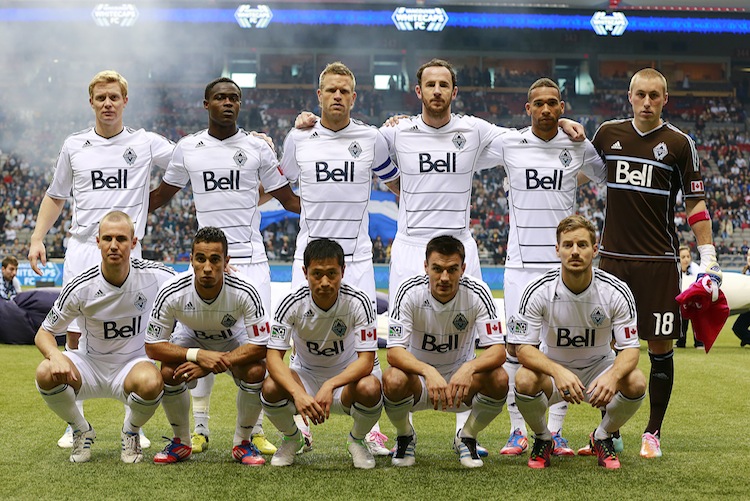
(30, 148)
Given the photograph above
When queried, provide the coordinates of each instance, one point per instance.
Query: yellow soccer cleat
(199, 441)
(263, 445)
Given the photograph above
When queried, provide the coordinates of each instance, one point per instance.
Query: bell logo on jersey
(231, 182)
(427, 165)
(635, 177)
(553, 182)
(336, 349)
(565, 340)
(429, 343)
(117, 181)
(323, 173)
(227, 334)
(112, 331)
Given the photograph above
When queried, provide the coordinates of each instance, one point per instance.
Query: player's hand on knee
(459, 386)
(189, 371)
(324, 397)
(214, 361)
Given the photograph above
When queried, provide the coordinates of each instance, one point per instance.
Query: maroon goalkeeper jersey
(644, 174)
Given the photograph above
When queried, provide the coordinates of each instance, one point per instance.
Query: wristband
(699, 216)
(707, 253)
(192, 355)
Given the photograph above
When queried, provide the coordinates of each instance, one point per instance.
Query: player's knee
(525, 381)
(394, 382)
(369, 390)
(498, 383)
(167, 374)
(253, 373)
(271, 391)
(145, 380)
(636, 384)
(44, 375)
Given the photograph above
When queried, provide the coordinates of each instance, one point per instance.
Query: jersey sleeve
(256, 321)
(365, 327)
(689, 164)
(593, 164)
(400, 323)
(288, 165)
(270, 175)
(625, 320)
(161, 149)
(162, 320)
(62, 182)
(526, 327)
(65, 309)
(382, 165)
(282, 328)
(389, 134)
(493, 155)
(177, 174)
(487, 323)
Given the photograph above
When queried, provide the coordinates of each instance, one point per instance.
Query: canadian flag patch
(696, 186)
(631, 332)
(261, 329)
(367, 334)
(494, 328)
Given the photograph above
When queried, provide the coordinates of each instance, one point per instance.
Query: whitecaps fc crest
(228, 320)
(598, 316)
(660, 151)
(140, 302)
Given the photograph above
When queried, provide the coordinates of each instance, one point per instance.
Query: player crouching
(575, 311)
(431, 352)
(222, 328)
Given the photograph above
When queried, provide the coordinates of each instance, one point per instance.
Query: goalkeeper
(649, 161)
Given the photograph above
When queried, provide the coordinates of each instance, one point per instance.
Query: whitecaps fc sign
(410, 19)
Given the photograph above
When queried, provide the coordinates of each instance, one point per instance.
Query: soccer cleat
(199, 442)
(375, 442)
(650, 445)
(482, 451)
(586, 450)
(262, 444)
(145, 442)
(561, 446)
(517, 444)
(466, 448)
(247, 453)
(404, 455)
(284, 456)
(66, 441)
(540, 453)
(618, 443)
(307, 442)
(131, 451)
(174, 452)
(360, 452)
(82, 441)
(605, 452)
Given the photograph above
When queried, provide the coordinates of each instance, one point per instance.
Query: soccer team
(565, 326)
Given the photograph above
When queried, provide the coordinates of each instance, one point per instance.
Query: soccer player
(225, 166)
(105, 167)
(11, 286)
(333, 163)
(431, 352)
(333, 328)
(648, 162)
(113, 300)
(224, 327)
(544, 167)
(575, 311)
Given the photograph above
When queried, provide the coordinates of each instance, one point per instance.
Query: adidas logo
(524, 141)
(308, 314)
(314, 135)
(426, 303)
(617, 146)
(86, 144)
(200, 144)
(189, 306)
(414, 128)
(99, 293)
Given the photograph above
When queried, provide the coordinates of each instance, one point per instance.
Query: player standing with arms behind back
(648, 162)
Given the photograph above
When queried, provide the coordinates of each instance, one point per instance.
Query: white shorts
(586, 375)
(80, 256)
(259, 275)
(313, 380)
(407, 260)
(515, 282)
(360, 274)
(425, 404)
(102, 379)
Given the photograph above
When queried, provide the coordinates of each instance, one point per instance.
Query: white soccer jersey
(438, 334)
(325, 341)
(106, 174)
(236, 313)
(112, 319)
(542, 191)
(576, 328)
(437, 167)
(225, 176)
(334, 170)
